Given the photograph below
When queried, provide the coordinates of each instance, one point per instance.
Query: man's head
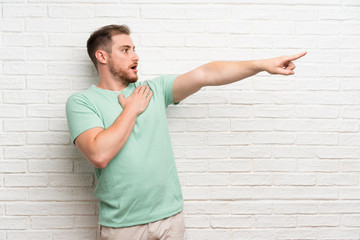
(112, 47)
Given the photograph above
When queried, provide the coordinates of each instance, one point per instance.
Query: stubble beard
(123, 75)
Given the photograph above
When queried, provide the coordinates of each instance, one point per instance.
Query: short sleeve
(81, 115)
(166, 82)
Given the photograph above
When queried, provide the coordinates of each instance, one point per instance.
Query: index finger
(296, 56)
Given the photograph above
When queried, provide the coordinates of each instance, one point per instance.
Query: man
(120, 127)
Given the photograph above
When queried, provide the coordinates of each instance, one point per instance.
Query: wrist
(259, 65)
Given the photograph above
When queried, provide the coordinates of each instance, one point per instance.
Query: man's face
(123, 60)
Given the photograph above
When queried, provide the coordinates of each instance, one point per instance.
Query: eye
(125, 50)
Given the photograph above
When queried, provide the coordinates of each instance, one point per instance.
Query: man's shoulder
(82, 96)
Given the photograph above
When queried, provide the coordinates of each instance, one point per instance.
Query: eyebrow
(126, 46)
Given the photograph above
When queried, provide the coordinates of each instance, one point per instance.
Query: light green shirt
(141, 184)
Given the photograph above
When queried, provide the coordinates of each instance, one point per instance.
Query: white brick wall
(268, 158)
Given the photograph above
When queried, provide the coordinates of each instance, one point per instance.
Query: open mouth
(134, 67)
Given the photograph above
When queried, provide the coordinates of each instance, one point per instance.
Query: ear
(101, 56)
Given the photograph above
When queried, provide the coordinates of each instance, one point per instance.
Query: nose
(135, 57)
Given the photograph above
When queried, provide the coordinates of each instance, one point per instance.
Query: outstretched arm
(221, 73)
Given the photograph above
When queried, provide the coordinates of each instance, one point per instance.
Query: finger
(146, 92)
(148, 97)
(121, 99)
(296, 56)
(137, 89)
(291, 66)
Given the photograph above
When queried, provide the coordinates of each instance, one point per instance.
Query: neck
(110, 82)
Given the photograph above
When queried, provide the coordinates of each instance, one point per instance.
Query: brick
(122, 11)
(318, 221)
(50, 54)
(88, 234)
(300, 193)
(12, 111)
(67, 40)
(323, 139)
(338, 152)
(207, 179)
(48, 138)
(213, 40)
(58, 125)
(250, 179)
(23, 97)
(338, 234)
(192, 166)
(232, 193)
(232, 222)
(13, 53)
(196, 193)
(272, 83)
(57, 194)
(273, 138)
(13, 194)
(295, 98)
(26, 180)
(83, 166)
(28, 209)
(338, 98)
(230, 111)
(24, 40)
(250, 152)
(73, 11)
(318, 84)
(207, 13)
(72, 208)
(259, 234)
(294, 180)
(273, 27)
(13, 166)
(25, 68)
(213, 208)
(317, 112)
(252, 207)
(349, 193)
(187, 112)
(297, 207)
(71, 180)
(17, 82)
(13, 223)
(51, 222)
(350, 166)
(86, 222)
(339, 207)
(83, 194)
(29, 235)
(336, 179)
(252, 125)
(274, 165)
(51, 25)
(238, 138)
(351, 220)
(8, 139)
(28, 125)
(18, 10)
(317, 166)
(197, 222)
(250, 97)
(25, 152)
(46, 111)
(322, 125)
(255, 12)
(70, 69)
(236, 165)
(208, 97)
(304, 233)
(275, 221)
(162, 12)
(318, 28)
(206, 125)
(294, 151)
(12, 25)
(239, 41)
(208, 234)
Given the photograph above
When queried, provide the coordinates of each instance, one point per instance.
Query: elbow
(99, 161)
